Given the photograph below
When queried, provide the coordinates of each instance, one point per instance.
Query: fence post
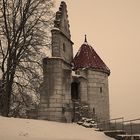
(122, 123)
(98, 125)
(131, 129)
(115, 125)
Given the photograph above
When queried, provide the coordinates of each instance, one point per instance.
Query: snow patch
(25, 129)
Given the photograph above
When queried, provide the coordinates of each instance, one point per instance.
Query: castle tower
(88, 64)
(55, 100)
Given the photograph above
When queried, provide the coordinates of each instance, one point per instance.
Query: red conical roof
(86, 57)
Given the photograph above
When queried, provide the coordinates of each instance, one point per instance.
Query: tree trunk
(6, 99)
(7, 92)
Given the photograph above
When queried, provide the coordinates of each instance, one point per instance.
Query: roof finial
(86, 38)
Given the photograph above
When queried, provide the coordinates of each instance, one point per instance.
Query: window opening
(64, 47)
(74, 91)
(101, 89)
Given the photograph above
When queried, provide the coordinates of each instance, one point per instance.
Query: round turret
(94, 90)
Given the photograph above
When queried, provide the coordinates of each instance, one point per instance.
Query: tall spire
(86, 38)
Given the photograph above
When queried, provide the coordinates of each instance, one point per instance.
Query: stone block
(57, 87)
(52, 100)
(43, 99)
(59, 100)
(42, 113)
(46, 109)
(67, 97)
(58, 113)
(43, 102)
(66, 101)
(55, 105)
(42, 117)
(58, 91)
(57, 96)
(43, 105)
(58, 109)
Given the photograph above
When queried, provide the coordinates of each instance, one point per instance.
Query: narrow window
(101, 89)
(64, 47)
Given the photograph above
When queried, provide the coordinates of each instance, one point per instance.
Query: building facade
(68, 79)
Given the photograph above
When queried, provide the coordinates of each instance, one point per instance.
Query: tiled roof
(86, 57)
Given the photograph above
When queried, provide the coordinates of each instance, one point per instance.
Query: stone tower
(55, 100)
(94, 89)
(70, 81)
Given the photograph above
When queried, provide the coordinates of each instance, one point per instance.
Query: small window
(101, 89)
(64, 47)
(77, 72)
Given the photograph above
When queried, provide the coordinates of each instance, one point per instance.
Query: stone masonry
(83, 78)
(55, 103)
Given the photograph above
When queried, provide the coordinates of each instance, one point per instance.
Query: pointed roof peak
(86, 38)
(85, 41)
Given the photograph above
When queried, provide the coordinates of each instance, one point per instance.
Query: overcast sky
(113, 30)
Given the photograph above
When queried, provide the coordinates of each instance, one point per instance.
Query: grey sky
(113, 30)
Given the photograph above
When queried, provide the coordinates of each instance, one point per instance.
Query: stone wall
(83, 90)
(98, 93)
(55, 100)
(55, 95)
(61, 38)
(61, 46)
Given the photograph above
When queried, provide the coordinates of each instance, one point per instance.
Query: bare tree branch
(24, 28)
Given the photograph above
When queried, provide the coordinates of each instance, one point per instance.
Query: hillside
(25, 129)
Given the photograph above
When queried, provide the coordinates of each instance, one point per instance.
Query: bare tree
(23, 34)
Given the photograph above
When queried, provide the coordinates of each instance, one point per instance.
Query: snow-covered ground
(27, 129)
